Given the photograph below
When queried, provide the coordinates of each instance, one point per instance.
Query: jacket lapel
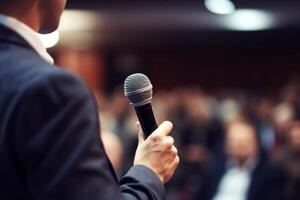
(9, 36)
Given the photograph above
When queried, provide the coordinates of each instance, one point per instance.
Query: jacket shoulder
(24, 69)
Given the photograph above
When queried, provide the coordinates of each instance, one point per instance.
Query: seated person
(289, 160)
(243, 172)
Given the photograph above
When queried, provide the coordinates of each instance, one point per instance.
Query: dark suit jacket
(49, 135)
(266, 182)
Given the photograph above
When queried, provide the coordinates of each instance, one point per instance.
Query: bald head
(241, 141)
(41, 15)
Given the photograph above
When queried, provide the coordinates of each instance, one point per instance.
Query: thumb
(140, 132)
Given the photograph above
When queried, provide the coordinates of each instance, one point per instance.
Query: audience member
(243, 172)
(289, 159)
(200, 119)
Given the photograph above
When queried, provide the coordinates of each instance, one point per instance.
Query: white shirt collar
(27, 34)
(249, 164)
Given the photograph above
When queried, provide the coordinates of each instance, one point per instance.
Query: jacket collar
(9, 36)
(27, 35)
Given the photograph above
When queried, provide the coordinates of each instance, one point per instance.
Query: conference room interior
(215, 65)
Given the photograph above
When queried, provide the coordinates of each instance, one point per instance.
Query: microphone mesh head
(138, 88)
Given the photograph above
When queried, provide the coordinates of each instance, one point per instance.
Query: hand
(158, 151)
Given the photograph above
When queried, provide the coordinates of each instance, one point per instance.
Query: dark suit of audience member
(266, 180)
(289, 160)
(242, 173)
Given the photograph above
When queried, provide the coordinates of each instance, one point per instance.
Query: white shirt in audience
(235, 183)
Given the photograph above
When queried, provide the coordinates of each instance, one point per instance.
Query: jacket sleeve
(60, 151)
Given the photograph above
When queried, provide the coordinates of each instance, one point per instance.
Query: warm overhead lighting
(220, 6)
(49, 40)
(79, 20)
(249, 20)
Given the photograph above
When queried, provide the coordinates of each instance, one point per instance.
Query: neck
(26, 13)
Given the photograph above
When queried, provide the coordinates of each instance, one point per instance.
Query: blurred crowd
(233, 144)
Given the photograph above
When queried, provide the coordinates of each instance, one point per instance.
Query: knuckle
(174, 150)
(169, 124)
(171, 139)
(168, 145)
(155, 138)
(173, 156)
(177, 160)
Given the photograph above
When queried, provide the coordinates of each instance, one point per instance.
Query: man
(49, 142)
(289, 160)
(243, 173)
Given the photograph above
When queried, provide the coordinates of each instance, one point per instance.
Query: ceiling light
(249, 20)
(220, 6)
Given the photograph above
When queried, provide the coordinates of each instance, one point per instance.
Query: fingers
(164, 144)
(158, 151)
(140, 133)
(168, 142)
(159, 137)
(170, 169)
(174, 163)
(169, 155)
(164, 129)
(170, 139)
(174, 150)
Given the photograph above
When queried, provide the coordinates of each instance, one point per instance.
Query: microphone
(138, 89)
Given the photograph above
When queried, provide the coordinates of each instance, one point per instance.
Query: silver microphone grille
(138, 88)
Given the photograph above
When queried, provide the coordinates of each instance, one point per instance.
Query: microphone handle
(147, 119)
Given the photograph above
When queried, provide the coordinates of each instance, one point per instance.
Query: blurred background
(225, 72)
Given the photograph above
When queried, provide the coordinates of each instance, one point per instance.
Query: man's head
(41, 15)
(241, 141)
